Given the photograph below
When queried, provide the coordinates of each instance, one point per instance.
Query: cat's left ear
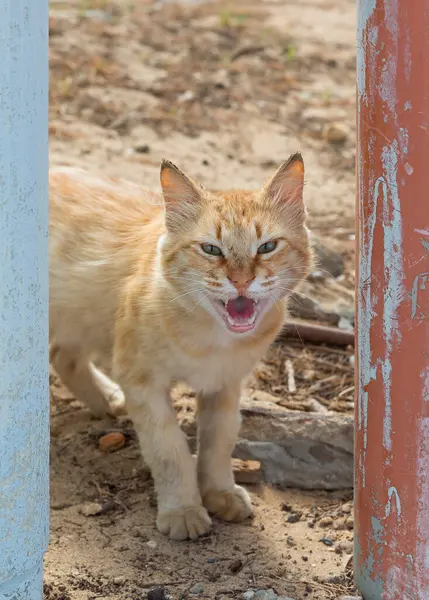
(285, 188)
(182, 197)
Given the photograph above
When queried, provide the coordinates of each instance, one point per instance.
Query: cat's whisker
(185, 294)
(199, 302)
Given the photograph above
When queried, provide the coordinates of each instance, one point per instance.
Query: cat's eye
(267, 247)
(211, 249)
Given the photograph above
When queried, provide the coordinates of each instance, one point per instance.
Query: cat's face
(235, 254)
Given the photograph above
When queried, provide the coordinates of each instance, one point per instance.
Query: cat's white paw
(117, 404)
(231, 505)
(188, 522)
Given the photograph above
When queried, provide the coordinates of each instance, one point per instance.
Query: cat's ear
(285, 188)
(182, 196)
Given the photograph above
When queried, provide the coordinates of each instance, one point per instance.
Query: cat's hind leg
(87, 383)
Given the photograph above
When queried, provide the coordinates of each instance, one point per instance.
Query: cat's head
(235, 253)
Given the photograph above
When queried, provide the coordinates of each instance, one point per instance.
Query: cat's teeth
(241, 321)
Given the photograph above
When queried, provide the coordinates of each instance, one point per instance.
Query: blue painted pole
(24, 393)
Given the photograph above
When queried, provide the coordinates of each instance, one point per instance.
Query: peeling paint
(370, 584)
(420, 283)
(388, 78)
(425, 245)
(393, 493)
(365, 309)
(364, 12)
(394, 278)
(422, 552)
(424, 376)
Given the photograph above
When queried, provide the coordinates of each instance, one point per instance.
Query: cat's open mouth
(240, 314)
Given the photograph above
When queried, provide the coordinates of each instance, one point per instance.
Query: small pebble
(211, 561)
(346, 547)
(294, 518)
(140, 532)
(248, 595)
(235, 566)
(197, 589)
(290, 541)
(119, 580)
(157, 593)
(335, 133)
(142, 148)
(347, 508)
(350, 523)
(92, 509)
(327, 541)
(151, 544)
(325, 522)
(340, 524)
(111, 441)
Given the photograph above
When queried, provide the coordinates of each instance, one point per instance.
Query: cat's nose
(241, 281)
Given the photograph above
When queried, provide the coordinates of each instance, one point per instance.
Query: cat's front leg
(218, 425)
(181, 514)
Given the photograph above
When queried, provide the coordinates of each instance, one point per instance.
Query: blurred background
(227, 91)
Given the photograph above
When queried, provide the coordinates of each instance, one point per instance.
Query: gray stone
(306, 450)
(248, 595)
(265, 595)
(197, 589)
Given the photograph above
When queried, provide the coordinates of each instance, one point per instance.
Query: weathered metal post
(24, 424)
(392, 416)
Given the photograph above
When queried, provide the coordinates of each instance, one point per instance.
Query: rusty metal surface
(392, 414)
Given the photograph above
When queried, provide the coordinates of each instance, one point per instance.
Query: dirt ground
(226, 91)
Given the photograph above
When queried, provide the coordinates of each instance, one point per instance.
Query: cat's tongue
(240, 308)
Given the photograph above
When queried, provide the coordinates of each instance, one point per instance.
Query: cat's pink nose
(241, 281)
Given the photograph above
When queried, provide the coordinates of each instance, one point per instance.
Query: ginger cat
(189, 285)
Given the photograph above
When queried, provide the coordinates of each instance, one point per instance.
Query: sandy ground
(227, 91)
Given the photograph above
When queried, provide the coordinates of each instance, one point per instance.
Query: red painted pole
(392, 408)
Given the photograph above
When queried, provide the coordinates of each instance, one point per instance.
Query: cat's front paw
(188, 522)
(116, 402)
(231, 505)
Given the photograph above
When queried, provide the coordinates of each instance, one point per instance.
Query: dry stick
(331, 350)
(317, 333)
(291, 385)
(331, 365)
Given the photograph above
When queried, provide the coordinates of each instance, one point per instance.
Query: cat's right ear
(182, 197)
(285, 189)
